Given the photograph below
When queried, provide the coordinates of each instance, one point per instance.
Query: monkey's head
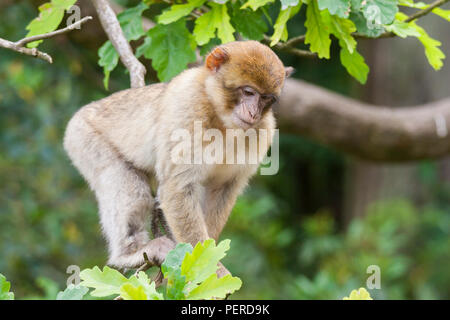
(249, 77)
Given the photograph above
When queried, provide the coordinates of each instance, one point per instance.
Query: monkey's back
(127, 120)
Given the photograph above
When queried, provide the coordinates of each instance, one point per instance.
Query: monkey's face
(250, 77)
(251, 105)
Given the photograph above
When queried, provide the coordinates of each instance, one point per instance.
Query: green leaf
(355, 64)
(340, 8)
(267, 15)
(356, 5)
(72, 292)
(105, 283)
(63, 4)
(131, 21)
(175, 257)
(360, 294)
(215, 19)
(342, 29)
(364, 27)
(176, 283)
(213, 287)
(172, 272)
(255, 4)
(350, 58)
(402, 29)
(49, 287)
(171, 47)
(442, 13)
(130, 292)
(142, 280)
(248, 23)
(202, 262)
(4, 289)
(177, 11)
(280, 29)
(108, 59)
(434, 55)
(380, 11)
(317, 32)
(289, 3)
(50, 16)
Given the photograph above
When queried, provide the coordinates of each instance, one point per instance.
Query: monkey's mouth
(245, 124)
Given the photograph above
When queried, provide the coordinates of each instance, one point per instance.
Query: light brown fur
(117, 142)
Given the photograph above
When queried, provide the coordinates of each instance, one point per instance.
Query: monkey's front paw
(158, 248)
(222, 271)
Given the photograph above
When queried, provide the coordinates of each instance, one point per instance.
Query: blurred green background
(309, 232)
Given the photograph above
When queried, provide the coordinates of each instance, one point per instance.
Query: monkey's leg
(125, 203)
(123, 196)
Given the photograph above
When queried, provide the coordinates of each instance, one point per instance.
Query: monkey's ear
(216, 58)
(289, 71)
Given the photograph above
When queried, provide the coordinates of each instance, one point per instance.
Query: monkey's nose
(253, 114)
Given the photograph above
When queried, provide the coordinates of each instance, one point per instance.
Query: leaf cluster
(184, 26)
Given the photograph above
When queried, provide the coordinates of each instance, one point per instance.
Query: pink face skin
(251, 106)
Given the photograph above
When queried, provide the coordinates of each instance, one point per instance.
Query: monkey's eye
(268, 99)
(248, 91)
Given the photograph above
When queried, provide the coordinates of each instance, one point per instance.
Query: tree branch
(425, 11)
(34, 52)
(73, 26)
(115, 34)
(19, 46)
(366, 131)
(289, 49)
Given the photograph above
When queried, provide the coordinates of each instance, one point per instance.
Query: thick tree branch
(19, 46)
(115, 34)
(366, 131)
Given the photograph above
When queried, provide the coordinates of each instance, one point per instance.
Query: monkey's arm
(219, 203)
(181, 201)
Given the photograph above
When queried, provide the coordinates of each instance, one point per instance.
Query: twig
(75, 25)
(289, 49)
(158, 279)
(294, 41)
(425, 11)
(19, 46)
(147, 264)
(299, 52)
(28, 51)
(115, 34)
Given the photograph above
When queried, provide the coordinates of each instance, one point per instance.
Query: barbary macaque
(118, 142)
